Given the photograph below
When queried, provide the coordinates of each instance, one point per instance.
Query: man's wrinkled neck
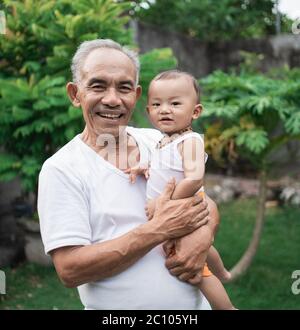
(99, 141)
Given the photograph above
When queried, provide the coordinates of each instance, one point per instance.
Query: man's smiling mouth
(109, 116)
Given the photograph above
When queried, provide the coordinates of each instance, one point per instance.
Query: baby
(173, 103)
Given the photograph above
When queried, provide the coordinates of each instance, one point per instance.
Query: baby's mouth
(166, 120)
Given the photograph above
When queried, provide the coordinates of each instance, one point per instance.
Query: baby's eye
(175, 103)
(155, 105)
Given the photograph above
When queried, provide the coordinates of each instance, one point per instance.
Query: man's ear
(138, 91)
(197, 111)
(72, 90)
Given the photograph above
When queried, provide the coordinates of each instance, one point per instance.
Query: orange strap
(206, 272)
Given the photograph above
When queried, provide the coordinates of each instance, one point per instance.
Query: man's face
(172, 104)
(107, 91)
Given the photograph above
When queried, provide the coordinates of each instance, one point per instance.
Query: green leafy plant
(211, 20)
(250, 116)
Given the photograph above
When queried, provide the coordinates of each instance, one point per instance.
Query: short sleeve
(63, 209)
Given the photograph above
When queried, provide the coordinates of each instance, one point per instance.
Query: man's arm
(77, 265)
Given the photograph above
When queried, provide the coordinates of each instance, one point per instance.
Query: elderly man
(93, 221)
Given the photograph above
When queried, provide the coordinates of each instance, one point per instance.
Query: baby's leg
(215, 293)
(215, 264)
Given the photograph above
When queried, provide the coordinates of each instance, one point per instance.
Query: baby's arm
(137, 170)
(192, 152)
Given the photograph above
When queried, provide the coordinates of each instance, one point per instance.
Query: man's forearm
(83, 264)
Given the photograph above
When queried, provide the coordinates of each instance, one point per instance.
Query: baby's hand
(135, 171)
(150, 208)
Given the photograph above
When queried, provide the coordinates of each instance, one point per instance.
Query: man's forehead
(107, 61)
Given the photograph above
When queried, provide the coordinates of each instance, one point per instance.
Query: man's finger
(172, 262)
(202, 221)
(177, 271)
(168, 248)
(195, 280)
(168, 191)
(186, 276)
(196, 200)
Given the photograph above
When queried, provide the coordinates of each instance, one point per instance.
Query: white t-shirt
(84, 200)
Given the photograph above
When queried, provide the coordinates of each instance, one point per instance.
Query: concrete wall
(201, 58)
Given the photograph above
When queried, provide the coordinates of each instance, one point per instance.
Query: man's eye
(125, 89)
(98, 87)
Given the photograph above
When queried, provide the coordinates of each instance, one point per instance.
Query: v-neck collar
(106, 163)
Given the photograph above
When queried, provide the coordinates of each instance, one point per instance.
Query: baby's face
(172, 104)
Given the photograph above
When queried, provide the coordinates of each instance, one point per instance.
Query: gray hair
(86, 47)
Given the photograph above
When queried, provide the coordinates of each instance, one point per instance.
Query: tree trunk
(244, 263)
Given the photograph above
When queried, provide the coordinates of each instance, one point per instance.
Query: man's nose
(111, 98)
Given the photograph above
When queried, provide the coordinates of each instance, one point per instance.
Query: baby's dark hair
(173, 74)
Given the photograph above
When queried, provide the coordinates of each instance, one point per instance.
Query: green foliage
(211, 20)
(36, 117)
(249, 115)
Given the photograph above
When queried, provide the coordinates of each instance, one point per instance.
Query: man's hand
(191, 250)
(187, 262)
(177, 218)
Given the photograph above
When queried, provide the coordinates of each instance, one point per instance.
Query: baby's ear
(197, 111)
(147, 109)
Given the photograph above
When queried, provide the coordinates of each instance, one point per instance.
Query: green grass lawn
(267, 285)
